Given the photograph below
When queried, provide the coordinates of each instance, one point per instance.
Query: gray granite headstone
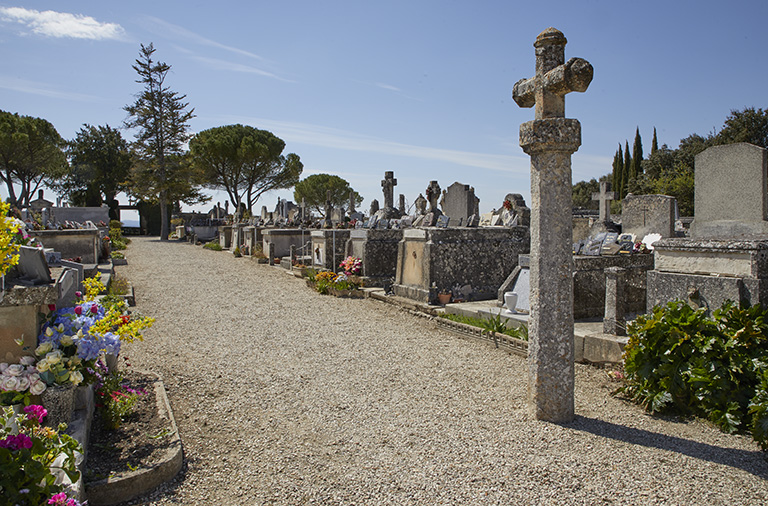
(460, 201)
(32, 268)
(649, 214)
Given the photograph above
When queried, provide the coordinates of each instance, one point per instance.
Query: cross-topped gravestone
(388, 184)
(604, 198)
(550, 139)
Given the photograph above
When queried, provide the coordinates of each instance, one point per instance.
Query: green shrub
(118, 285)
(213, 245)
(678, 359)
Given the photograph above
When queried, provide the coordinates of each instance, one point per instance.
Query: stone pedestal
(615, 310)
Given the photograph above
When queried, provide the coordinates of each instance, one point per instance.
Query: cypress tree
(637, 155)
(654, 143)
(616, 174)
(627, 173)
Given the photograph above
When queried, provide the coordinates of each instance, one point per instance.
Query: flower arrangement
(326, 281)
(9, 239)
(351, 265)
(36, 462)
(18, 381)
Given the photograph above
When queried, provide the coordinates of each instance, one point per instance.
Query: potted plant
(444, 296)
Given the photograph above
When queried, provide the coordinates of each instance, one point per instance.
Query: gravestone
(421, 205)
(32, 268)
(648, 214)
(433, 195)
(519, 210)
(550, 139)
(388, 188)
(401, 206)
(604, 198)
(443, 221)
(374, 208)
(460, 202)
(613, 321)
(730, 193)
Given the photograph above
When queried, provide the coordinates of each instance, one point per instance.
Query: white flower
(15, 370)
(10, 383)
(37, 387)
(43, 349)
(66, 340)
(43, 365)
(76, 377)
(3, 367)
(49, 332)
(60, 328)
(53, 357)
(27, 360)
(23, 384)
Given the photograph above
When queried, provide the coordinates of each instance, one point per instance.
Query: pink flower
(36, 411)
(94, 308)
(78, 294)
(78, 310)
(51, 307)
(58, 500)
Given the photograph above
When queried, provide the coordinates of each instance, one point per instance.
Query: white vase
(510, 300)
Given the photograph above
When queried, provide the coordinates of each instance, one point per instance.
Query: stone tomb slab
(481, 257)
(377, 249)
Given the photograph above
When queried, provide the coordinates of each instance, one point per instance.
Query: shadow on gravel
(754, 462)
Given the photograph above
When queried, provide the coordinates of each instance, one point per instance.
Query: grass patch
(493, 323)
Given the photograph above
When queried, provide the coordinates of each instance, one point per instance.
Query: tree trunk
(164, 224)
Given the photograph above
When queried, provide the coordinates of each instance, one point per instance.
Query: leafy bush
(118, 285)
(213, 245)
(678, 359)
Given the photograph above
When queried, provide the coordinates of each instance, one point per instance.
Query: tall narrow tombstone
(550, 139)
(388, 187)
(401, 207)
(351, 210)
(604, 198)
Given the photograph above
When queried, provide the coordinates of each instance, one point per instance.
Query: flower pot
(444, 298)
(60, 402)
(111, 362)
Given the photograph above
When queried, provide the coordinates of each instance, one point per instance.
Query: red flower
(78, 310)
(51, 307)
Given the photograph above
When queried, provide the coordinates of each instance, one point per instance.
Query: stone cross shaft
(550, 139)
(388, 185)
(351, 201)
(328, 205)
(604, 198)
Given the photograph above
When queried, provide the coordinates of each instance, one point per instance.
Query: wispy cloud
(62, 24)
(237, 67)
(388, 87)
(317, 135)
(43, 90)
(165, 28)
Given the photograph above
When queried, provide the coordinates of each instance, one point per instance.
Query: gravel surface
(286, 396)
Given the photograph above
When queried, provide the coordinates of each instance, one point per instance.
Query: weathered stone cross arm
(554, 78)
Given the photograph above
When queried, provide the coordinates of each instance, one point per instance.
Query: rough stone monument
(648, 214)
(388, 184)
(433, 195)
(460, 202)
(604, 198)
(550, 139)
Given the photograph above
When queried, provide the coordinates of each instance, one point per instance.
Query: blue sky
(421, 88)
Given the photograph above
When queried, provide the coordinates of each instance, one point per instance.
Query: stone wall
(589, 283)
(378, 251)
(283, 239)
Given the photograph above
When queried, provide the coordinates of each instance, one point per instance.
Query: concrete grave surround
(377, 250)
(550, 139)
(84, 243)
(283, 239)
(731, 192)
(446, 257)
(328, 248)
(649, 214)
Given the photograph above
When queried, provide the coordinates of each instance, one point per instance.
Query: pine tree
(637, 155)
(627, 174)
(654, 143)
(161, 118)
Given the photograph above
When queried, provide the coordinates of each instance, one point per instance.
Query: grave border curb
(127, 486)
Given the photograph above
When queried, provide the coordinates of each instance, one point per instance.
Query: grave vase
(59, 400)
(444, 298)
(510, 300)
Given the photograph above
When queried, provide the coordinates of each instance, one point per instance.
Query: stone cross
(433, 194)
(351, 202)
(388, 184)
(328, 206)
(550, 139)
(604, 198)
(303, 209)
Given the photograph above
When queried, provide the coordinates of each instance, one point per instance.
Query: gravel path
(286, 396)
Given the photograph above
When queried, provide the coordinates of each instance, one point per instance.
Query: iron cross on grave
(554, 78)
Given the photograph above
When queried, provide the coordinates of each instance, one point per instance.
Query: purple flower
(16, 442)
